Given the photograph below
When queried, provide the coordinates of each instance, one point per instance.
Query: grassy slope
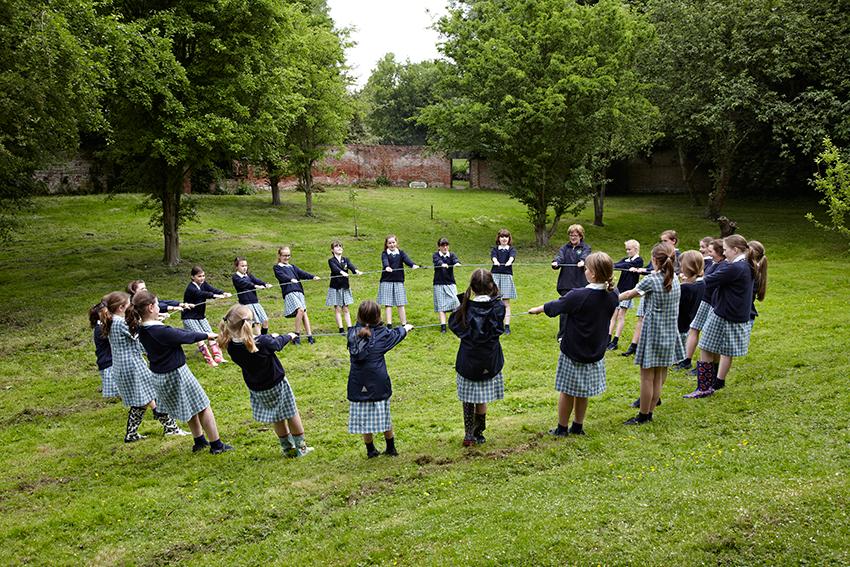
(753, 476)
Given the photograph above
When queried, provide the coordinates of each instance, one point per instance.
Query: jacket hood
(359, 347)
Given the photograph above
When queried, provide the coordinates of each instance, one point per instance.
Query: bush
(383, 181)
(245, 188)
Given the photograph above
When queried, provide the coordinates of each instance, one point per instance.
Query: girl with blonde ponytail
(272, 399)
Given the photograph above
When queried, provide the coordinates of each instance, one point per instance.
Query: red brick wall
(401, 164)
(661, 173)
(480, 174)
(75, 174)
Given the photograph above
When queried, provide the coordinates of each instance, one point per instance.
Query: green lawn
(755, 475)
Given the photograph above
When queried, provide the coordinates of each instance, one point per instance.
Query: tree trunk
(274, 181)
(715, 198)
(170, 206)
(688, 179)
(307, 183)
(541, 235)
(599, 199)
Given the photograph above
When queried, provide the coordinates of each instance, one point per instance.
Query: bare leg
(347, 316)
(442, 318)
(580, 409)
(388, 434)
(257, 327)
(299, 315)
(388, 317)
(507, 311)
(338, 316)
(636, 334)
(481, 409)
(621, 323)
(658, 383)
(367, 438)
(402, 318)
(647, 389)
(693, 340)
(307, 323)
(266, 324)
(207, 420)
(280, 428)
(723, 367)
(565, 408)
(295, 425)
(195, 426)
(613, 324)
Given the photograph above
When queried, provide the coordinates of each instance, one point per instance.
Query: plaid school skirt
(197, 325)
(110, 390)
(580, 379)
(179, 394)
(627, 304)
(292, 302)
(640, 309)
(273, 405)
(341, 297)
(702, 314)
(133, 378)
(369, 417)
(506, 285)
(392, 294)
(259, 313)
(481, 392)
(445, 298)
(726, 338)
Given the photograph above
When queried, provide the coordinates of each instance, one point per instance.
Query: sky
(384, 26)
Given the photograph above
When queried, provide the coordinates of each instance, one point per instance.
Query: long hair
(760, 256)
(94, 312)
(237, 323)
(672, 235)
(739, 242)
(601, 264)
(133, 286)
(387, 239)
(480, 283)
(369, 314)
(693, 265)
(111, 303)
(665, 256)
(141, 302)
(504, 232)
(196, 270)
(718, 245)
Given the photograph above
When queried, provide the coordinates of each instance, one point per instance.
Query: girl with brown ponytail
(659, 345)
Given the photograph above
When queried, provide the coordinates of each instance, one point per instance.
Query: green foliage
(383, 181)
(535, 86)
(835, 185)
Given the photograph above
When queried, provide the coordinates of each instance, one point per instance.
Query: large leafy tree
(531, 82)
(52, 74)
(197, 83)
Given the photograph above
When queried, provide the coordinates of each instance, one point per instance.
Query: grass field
(756, 475)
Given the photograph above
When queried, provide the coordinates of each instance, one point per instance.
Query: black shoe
(612, 346)
(691, 372)
(196, 447)
(373, 454)
(559, 434)
(391, 452)
(636, 403)
(719, 384)
(629, 351)
(224, 448)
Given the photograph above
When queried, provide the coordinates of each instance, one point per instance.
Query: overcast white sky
(383, 26)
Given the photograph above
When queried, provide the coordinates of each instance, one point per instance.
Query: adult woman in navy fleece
(369, 386)
(572, 276)
(581, 363)
(198, 292)
(177, 390)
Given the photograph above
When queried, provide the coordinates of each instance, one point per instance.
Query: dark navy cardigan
(692, 294)
(162, 344)
(285, 274)
(197, 296)
(102, 349)
(628, 280)
(732, 284)
(396, 263)
(588, 314)
(502, 256)
(444, 276)
(248, 285)
(337, 267)
(368, 379)
(261, 370)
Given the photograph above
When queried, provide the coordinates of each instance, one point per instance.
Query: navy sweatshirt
(396, 262)
(197, 296)
(628, 280)
(732, 285)
(692, 294)
(502, 256)
(444, 276)
(337, 267)
(368, 379)
(102, 349)
(588, 313)
(571, 277)
(247, 284)
(261, 370)
(163, 345)
(290, 272)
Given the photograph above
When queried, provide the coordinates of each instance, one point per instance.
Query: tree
(52, 74)
(397, 93)
(835, 185)
(197, 82)
(531, 83)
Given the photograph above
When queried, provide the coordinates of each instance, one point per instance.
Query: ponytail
(693, 265)
(141, 301)
(111, 303)
(94, 312)
(480, 283)
(602, 266)
(237, 323)
(760, 257)
(369, 315)
(664, 255)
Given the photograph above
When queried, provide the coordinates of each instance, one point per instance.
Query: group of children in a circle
(714, 296)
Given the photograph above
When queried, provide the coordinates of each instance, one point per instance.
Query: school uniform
(502, 274)
(659, 343)
(628, 280)
(479, 360)
(133, 378)
(293, 293)
(339, 288)
(581, 363)
(178, 392)
(369, 385)
(391, 288)
(272, 399)
(445, 287)
(689, 302)
(705, 306)
(246, 292)
(727, 328)
(103, 352)
(195, 319)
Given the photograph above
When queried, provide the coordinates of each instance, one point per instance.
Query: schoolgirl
(581, 363)
(628, 280)
(165, 305)
(479, 324)
(246, 285)
(339, 289)
(102, 351)
(671, 237)
(715, 252)
(726, 333)
(570, 260)
(198, 292)
(369, 385)
(659, 345)
(391, 292)
(760, 282)
(703, 249)
(693, 291)
(133, 378)
(295, 305)
(272, 400)
(503, 255)
(177, 390)
(445, 288)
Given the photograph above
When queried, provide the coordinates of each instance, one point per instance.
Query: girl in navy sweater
(715, 254)
(198, 292)
(339, 289)
(693, 290)
(581, 363)
(479, 324)
(391, 292)
(165, 305)
(290, 276)
(726, 332)
(102, 351)
(178, 392)
(445, 288)
(246, 285)
(503, 255)
(272, 400)
(369, 386)
(628, 280)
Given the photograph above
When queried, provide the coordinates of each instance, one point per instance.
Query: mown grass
(755, 475)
